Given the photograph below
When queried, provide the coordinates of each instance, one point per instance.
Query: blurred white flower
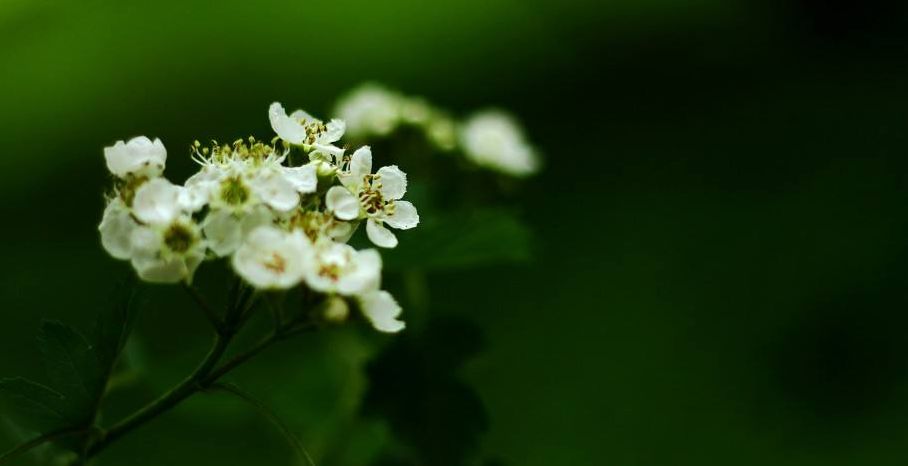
(116, 229)
(442, 131)
(271, 258)
(493, 139)
(369, 109)
(167, 252)
(375, 197)
(139, 157)
(382, 310)
(301, 129)
(338, 268)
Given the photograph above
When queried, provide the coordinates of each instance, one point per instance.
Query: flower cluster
(491, 139)
(280, 224)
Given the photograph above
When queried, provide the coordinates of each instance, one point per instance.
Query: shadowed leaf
(32, 405)
(72, 366)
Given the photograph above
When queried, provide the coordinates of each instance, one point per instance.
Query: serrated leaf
(463, 239)
(113, 326)
(32, 405)
(73, 367)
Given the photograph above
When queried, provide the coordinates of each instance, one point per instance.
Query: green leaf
(73, 368)
(32, 405)
(463, 239)
(113, 327)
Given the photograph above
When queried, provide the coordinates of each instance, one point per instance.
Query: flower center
(331, 271)
(178, 238)
(314, 129)
(276, 264)
(128, 187)
(370, 197)
(234, 192)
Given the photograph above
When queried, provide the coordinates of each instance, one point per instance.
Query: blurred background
(719, 238)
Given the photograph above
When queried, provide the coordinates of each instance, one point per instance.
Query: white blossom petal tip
(139, 156)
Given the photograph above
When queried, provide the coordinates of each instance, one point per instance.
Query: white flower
(373, 196)
(370, 110)
(140, 157)
(167, 252)
(382, 310)
(225, 230)
(240, 186)
(271, 258)
(302, 129)
(338, 268)
(493, 139)
(116, 229)
(157, 202)
(317, 224)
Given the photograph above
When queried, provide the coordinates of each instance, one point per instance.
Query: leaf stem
(38, 441)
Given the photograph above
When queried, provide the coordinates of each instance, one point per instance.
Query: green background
(720, 231)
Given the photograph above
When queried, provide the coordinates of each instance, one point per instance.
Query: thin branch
(209, 312)
(255, 350)
(270, 415)
(184, 390)
(40, 440)
(203, 377)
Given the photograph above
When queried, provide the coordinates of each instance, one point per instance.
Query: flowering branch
(281, 214)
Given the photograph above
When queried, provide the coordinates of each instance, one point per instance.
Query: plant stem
(185, 389)
(252, 352)
(38, 441)
(203, 377)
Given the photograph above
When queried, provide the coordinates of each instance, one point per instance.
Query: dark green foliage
(32, 405)
(73, 368)
(78, 370)
(463, 239)
(414, 384)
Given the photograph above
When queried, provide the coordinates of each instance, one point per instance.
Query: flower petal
(342, 202)
(379, 235)
(271, 258)
(404, 216)
(138, 156)
(365, 275)
(157, 270)
(304, 179)
(334, 131)
(288, 128)
(116, 229)
(361, 163)
(275, 190)
(301, 115)
(393, 182)
(157, 202)
(382, 310)
(223, 232)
